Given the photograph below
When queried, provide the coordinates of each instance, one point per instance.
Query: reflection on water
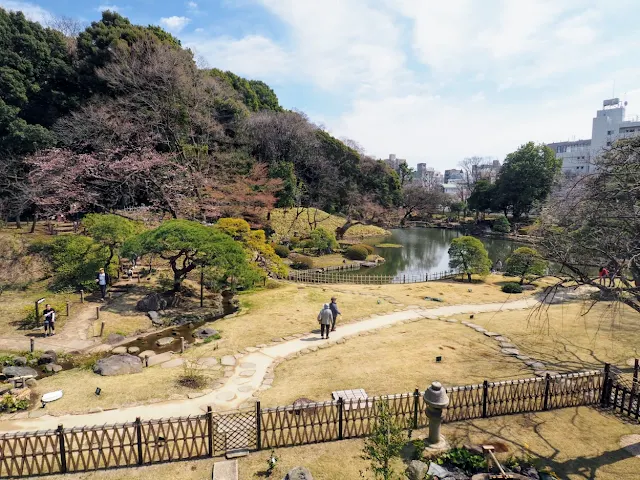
(424, 251)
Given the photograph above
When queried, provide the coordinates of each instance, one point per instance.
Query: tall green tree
(525, 262)
(187, 245)
(110, 231)
(385, 442)
(483, 197)
(468, 255)
(526, 177)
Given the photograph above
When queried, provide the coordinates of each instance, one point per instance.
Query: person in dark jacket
(334, 312)
(49, 315)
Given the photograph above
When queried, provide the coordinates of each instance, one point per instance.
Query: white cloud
(478, 97)
(199, 30)
(175, 23)
(33, 12)
(192, 5)
(113, 8)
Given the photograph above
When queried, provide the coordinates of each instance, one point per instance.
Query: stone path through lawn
(253, 372)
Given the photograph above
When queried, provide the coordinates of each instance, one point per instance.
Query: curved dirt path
(252, 369)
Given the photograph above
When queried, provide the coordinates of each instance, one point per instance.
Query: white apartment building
(609, 125)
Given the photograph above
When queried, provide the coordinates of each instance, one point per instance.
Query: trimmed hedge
(512, 287)
(368, 248)
(281, 250)
(357, 252)
(302, 263)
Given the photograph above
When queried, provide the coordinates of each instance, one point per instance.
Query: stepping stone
(492, 334)
(228, 374)
(305, 351)
(245, 388)
(531, 362)
(241, 381)
(510, 351)
(452, 320)
(133, 350)
(176, 362)
(248, 365)
(264, 387)
(500, 338)
(119, 350)
(276, 340)
(313, 349)
(147, 353)
(522, 357)
(228, 361)
(342, 340)
(208, 362)
(193, 395)
(247, 373)
(267, 381)
(158, 359)
(290, 337)
(507, 345)
(269, 375)
(251, 349)
(163, 342)
(262, 345)
(537, 366)
(480, 330)
(225, 396)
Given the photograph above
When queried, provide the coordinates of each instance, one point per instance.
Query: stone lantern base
(441, 446)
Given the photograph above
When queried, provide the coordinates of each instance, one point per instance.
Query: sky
(432, 81)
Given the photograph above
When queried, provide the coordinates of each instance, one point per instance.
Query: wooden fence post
(604, 401)
(139, 439)
(81, 296)
(545, 405)
(97, 313)
(416, 407)
(636, 370)
(258, 426)
(63, 451)
(68, 308)
(485, 394)
(340, 410)
(210, 429)
(32, 345)
(101, 329)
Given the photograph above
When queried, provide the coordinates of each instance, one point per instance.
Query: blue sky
(430, 80)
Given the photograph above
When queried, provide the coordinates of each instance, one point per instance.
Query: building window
(609, 132)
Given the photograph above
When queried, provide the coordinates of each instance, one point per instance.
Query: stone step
(237, 453)
(225, 470)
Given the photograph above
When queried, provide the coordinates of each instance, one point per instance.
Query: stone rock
(501, 338)
(205, 332)
(228, 361)
(155, 318)
(531, 473)
(11, 372)
(52, 368)
(20, 361)
(48, 357)
(119, 350)
(507, 345)
(31, 382)
(248, 365)
(245, 388)
(492, 334)
(416, 470)
(225, 396)
(161, 358)
(146, 353)
(152, 302)
(510, 351)
(163, 342)
(133, 350)
(247, 373)
(528, 287)
(208, 362)
(437, 471)
(118, 365)
(193, 318)
(522, 357)
(298, 473)
(176, 362)
(114, 338)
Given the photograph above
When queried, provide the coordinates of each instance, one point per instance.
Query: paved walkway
(248, 376)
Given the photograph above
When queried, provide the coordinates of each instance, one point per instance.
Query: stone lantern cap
(436, 396)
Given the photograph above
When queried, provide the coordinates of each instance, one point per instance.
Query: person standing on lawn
(103, 279)
(325, 317)
(335, 312)
(49, 315)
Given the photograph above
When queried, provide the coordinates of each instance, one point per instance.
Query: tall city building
(609, 125)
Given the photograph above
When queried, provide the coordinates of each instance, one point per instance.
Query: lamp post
(437, 400)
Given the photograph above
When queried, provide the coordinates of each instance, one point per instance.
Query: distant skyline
(431, 81)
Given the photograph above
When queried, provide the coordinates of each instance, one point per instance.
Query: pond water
(425, 251)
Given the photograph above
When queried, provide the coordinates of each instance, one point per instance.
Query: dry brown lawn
(578, 444)
(15, 305)
(452, 292)
(287, 310)
(394, 360)
(79, 385)
(571, 336)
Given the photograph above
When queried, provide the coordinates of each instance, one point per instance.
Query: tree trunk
(469, 277)
(33, 224)
(108, 262)
(18, 222)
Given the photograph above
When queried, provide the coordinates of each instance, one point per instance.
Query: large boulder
(48, 357)
(20, 361)
(155, 318)
(152, 302)
(114, 338)
(299, 473)
(416, 470)
(194, 318)
(118, 365)
(11, 372)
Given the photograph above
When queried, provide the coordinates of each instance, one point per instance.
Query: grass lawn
(452, 292)
(394, 360)
(579, 444)
(14, 306)
(286, 224)
(79, 387)
(286, 310)
(569, 336)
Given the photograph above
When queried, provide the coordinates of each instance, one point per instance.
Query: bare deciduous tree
(594, 221)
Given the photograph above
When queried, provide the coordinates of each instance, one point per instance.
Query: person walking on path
(602, 275)
(49, 315)
(325, 317)
(334, 312)
(103, 279)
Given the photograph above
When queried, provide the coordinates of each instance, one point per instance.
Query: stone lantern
(436, 399)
